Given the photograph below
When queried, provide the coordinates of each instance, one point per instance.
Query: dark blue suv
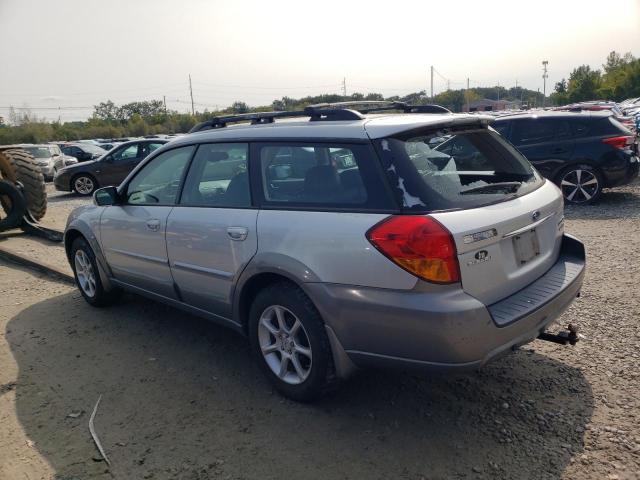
(582, 152)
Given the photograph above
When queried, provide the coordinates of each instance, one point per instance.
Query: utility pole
(498, 91)
(544, 80)
(467, 94)
(432, 83)
(448, 85)
(344, 87)
(193, 110)
(164, 102)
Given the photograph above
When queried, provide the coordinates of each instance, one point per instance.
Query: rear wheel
(289, 340)
(84, 184)
(580, 184)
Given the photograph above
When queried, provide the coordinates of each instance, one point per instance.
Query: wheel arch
(81, 230)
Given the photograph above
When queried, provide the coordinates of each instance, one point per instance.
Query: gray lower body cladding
(441, 329)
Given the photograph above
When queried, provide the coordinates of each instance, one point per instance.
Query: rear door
(211, 233)
(547, 142)
(133, 234)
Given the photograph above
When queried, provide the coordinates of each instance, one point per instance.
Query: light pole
(544, 81)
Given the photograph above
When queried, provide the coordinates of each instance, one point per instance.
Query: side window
(313, 174)
(218, 177)
(126, 153)
(158, 182)
(501, 127)
(580, 129)
(154, 146)
(534, 130)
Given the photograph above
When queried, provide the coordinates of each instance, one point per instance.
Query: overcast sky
(73, 54)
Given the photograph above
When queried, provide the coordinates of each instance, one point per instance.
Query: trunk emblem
(535, 215)
(479, 236)
(481, 255)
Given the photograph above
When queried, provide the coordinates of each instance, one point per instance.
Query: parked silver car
(339, 242)
(49, 157)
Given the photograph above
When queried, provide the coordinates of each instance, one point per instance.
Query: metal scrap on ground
(95, 435)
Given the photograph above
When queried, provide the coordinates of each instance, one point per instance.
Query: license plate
(526, 246)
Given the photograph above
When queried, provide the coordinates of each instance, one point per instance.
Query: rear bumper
(445, 327)
(626, 176)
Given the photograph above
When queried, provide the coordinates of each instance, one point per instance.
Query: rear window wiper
(508, 187)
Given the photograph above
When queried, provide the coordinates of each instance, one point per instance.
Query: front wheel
(580, 184)
(84, 184)
(85, 270)
(289, 340)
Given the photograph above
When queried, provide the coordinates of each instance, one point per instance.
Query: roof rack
(319, 112)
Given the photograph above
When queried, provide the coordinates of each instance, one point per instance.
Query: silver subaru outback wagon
(339, 239)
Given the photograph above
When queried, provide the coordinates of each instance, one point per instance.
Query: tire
(580, 184)
(306, 376)
(85, 271)
(22, 167)
(84, 184)
(13, 205)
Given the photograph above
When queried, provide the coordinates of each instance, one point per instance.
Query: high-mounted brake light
(420, 245)
(621, 142)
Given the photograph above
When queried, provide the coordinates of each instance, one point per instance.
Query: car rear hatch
(504, 247)
(506, 221)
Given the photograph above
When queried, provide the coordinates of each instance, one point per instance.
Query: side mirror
(108, 159)
(106, 196)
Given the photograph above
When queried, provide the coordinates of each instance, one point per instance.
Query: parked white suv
(339, 240)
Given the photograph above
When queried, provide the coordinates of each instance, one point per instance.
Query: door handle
(238, 233)
(558, 150)
(153, 224)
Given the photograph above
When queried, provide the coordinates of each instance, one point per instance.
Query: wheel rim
(285, 344)
(83, 185)
(84, 273)
(579, 186)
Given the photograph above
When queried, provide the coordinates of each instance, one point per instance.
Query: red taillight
(619, 142)
(420, 245)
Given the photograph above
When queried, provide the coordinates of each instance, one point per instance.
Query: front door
(211, 233)
(133, 234)
(116, 166)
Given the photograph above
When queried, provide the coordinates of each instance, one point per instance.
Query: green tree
(239, 107)
(583, 84)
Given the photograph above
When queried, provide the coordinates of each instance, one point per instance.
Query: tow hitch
(569, 336)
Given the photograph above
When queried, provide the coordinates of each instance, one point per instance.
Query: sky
(59, 58)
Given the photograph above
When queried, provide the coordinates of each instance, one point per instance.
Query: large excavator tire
(18, 165)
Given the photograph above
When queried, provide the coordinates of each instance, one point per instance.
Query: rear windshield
(454, 169)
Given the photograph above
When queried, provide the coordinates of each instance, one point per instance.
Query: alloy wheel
(83, 185)
(85, 273)
(579, 186)
(285, 344)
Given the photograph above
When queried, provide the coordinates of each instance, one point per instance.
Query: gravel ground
(181, 398)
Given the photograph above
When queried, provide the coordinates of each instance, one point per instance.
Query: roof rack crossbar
(319, 112)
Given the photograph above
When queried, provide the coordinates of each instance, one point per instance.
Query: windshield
(39, 152)
(92, 148)
(456, 169)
